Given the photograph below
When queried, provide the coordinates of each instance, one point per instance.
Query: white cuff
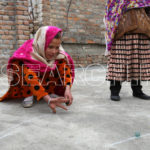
(49, 100)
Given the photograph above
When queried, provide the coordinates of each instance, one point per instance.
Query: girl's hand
(68, 95)
(55, 102)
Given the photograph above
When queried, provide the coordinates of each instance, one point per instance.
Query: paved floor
(93, 122)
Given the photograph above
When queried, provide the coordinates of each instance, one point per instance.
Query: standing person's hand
(55, 102)
(68, 95)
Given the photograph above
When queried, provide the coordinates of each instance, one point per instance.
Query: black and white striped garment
(130, 58)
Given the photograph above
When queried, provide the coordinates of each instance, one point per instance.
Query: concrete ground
(93, 122)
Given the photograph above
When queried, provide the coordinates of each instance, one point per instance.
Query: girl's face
(52, 50)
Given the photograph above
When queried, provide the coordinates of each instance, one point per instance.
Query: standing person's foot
(115, 97)
(115, 87)
(141, 96)
(28, 102)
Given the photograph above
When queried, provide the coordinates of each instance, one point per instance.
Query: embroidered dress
(26, 82)
(114, 11)
(130, 58)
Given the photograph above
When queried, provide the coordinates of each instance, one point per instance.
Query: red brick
(11, 32)
(22, 37)
(2, 12)
(8, 23)
(1, 32)
(19, 4)
(76, 19)
(90, 41)
(20, 31)
(10, 3)
(85, 19)
(19, 22)
(6, 27)
(70, 18)
(26, 4)
(7, 37)
(47, 2)
(22, 17)
(73, 40)
(6, 41)
(26, 33)
(26, 13)
(7, 8)
(19, 12)
(26, 22)
(22, 27)
(30, 21)
(20, 42)
(22, 8)
(6, 32)
(10, 13)
(87, 13)
(5, 17)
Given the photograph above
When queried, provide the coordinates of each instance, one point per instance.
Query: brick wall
(86, 54)
(35, 9)
(14, 27)
(82, 25)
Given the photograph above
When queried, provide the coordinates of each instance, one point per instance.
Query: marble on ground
(93, 122)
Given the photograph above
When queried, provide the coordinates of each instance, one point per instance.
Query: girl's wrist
(68, 87)
(47, 98)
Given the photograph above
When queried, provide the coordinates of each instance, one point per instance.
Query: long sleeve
(65, 72)
(32, 81)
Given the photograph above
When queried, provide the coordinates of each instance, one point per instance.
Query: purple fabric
(114, 11)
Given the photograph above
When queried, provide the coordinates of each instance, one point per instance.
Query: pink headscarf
(32, 52)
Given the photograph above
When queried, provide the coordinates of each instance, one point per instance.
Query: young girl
(41, 69)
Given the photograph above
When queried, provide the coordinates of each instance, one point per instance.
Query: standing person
(128, 45)
(41, 69)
